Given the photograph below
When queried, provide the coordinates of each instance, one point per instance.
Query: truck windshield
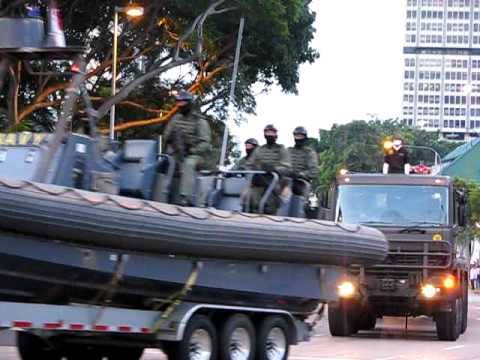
(393, 205)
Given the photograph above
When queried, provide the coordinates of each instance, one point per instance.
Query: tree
(198, 36)
(357, 146)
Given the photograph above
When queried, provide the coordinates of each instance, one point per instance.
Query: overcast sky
(359, 71)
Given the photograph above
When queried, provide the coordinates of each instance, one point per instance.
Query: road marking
(454, 347)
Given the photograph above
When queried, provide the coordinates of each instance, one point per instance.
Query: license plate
(388, 284)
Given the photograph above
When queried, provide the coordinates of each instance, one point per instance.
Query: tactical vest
(188, 126)
(270, 154)
(299, 158)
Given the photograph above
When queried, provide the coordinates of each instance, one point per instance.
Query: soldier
(188, 138)
(304, 161)
(396, 157)
(250, 145)
(271, 157)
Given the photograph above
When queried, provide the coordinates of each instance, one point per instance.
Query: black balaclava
(186, 109)
(301, 142)
(271, 139)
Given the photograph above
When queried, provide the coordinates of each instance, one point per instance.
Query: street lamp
(132, 10)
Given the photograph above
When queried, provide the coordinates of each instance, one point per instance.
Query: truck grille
(418, 254)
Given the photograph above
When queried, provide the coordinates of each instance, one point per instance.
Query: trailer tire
(199, 336)
(32, 347)
(340, 320)
(449, 324)
(124, 353)
(273, 340)
(237, 338)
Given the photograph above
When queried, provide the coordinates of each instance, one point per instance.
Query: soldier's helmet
(251, 141)
(300, 130)
(184, 95)
(270, 127)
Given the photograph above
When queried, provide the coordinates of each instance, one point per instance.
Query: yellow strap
(177, 298)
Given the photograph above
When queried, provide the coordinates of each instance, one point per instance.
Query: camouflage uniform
(304, 163)
(273, 157)
(189, 140)
(242, 163)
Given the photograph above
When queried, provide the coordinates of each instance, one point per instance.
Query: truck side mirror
(462, 215)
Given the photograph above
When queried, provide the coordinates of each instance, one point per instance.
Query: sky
(358, 74)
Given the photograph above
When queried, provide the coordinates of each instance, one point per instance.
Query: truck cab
(426, 270)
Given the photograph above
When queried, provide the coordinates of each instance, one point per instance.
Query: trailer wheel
(449, 324)
(120, 353)
(199, 341)
(237, 338)
(82, 353)
(340, 320)
(273, 339)
(32, 347)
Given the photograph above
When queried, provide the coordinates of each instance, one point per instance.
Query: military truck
(426, 271)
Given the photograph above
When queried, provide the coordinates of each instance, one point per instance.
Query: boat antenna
(231, 98)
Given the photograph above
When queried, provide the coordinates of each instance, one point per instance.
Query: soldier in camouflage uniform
(188, 139)
(250, 146)
(271, 157)
(304, 161)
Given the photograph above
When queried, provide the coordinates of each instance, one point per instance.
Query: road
(389, 341)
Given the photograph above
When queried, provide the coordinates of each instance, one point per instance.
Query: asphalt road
(389, 341)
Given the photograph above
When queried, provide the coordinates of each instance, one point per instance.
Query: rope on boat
(109, 291)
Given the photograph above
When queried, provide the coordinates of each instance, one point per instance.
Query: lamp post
(132, 11)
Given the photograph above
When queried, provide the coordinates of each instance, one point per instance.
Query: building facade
(441, 76)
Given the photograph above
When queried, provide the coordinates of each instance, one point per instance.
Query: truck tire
(273, 340)
(237, 338)
(32, 347)
(340, 320)
(465, 308)
(367, 321)
(200, 337)
(449, 324)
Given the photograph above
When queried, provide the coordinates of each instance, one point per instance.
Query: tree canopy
(177, 43)
(357, 146)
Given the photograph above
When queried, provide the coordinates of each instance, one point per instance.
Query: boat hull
(46, 271)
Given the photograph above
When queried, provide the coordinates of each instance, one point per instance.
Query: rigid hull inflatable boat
(60, 244)
(85, 223)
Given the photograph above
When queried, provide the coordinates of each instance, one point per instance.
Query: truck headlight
(346, 289)
(429, 291)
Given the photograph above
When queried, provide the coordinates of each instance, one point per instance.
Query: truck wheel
(199, 341)
(272, 339)
(32, 347)
(367, 321)
(237, 338)
(465, 309)
(449, 324)
(340, 321)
